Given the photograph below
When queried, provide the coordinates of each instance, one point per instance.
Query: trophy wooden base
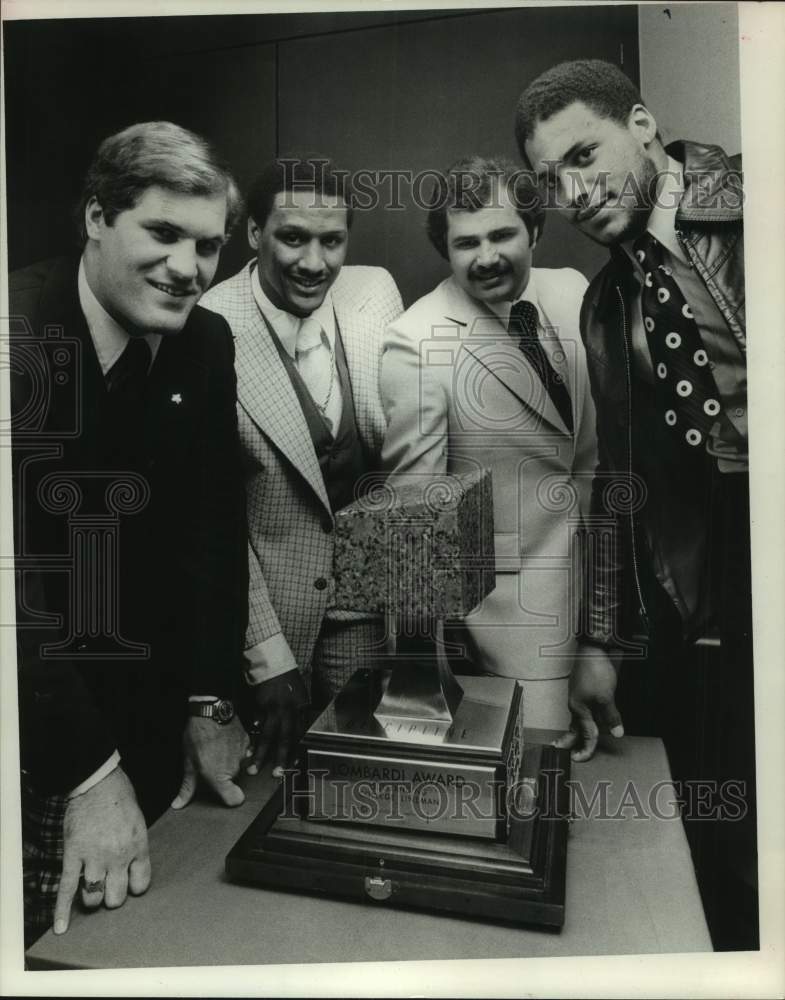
(521, 880)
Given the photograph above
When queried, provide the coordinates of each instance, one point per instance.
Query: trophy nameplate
(415, 787)
(395, 775)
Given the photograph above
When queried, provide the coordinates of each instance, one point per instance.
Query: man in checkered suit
(308, 337)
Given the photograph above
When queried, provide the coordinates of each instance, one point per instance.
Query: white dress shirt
(529, 294)
(109, 338)
(287, 328)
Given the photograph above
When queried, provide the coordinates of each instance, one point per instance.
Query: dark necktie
(685, 389)
(126, 379)
(524, 325)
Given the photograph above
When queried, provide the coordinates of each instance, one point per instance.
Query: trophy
(415, 787)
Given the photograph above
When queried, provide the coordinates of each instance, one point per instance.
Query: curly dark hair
(470, 184)
(599, 85)
(309, 171)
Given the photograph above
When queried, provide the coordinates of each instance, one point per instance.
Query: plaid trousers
(42, 858)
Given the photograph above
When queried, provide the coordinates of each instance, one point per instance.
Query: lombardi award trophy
(414, 787)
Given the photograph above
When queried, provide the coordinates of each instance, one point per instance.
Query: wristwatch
(221, 710)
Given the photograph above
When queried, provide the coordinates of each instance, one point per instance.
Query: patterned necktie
(524, 324)
(126, 379)
(316, 364)
(684, 385)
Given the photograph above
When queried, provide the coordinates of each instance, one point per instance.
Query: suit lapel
(177, 386)
(359, 348)
(486, 339)
(562, 340)
(265, 392)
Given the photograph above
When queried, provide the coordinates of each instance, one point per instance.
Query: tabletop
(631, 889)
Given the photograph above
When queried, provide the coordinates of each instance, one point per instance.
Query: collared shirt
(287, 326)
(109, 338)
(727, 441)
(529, 294)
(548, 333)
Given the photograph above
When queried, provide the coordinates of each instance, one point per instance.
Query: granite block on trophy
(421, 549)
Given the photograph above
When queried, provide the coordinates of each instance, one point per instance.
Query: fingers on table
(69, 883)
(139, 874)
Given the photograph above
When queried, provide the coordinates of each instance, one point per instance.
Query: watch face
(224, 711)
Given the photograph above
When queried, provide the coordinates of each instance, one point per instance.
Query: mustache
(308, 275)
(497, 270)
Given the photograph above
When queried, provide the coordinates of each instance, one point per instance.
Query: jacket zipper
(628, 370)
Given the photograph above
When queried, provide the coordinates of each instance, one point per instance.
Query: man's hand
(215, 752)
(592, 689)
(280, 704)
(105, 835)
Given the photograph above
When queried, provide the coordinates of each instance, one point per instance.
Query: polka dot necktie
(685, 387)
(524, 325)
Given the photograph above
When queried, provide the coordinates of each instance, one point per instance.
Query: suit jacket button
(320, 583)
(327, 525)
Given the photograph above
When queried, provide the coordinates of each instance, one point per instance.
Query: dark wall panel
(57, 113)
(416, 97)
(377, 91)
(241, 123)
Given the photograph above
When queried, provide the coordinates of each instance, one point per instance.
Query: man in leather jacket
(664, 328)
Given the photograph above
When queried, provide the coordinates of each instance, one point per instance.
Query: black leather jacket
(631, 494)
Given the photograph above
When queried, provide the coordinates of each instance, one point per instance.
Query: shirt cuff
(267, 659)
(99, 775)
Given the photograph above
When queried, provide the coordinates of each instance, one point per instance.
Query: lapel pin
(177, 398)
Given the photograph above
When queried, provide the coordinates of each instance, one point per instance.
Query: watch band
(221, 710)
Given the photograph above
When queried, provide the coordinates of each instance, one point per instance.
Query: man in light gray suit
(308, 338)
(488, 369)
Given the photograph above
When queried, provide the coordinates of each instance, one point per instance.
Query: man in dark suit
(129, 522)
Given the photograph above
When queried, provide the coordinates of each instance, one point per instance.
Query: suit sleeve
(263, 621)
(415, 407)
(63, 735)
(217, 547)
